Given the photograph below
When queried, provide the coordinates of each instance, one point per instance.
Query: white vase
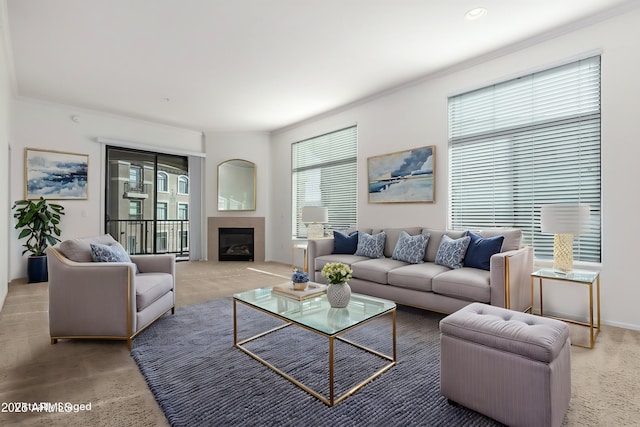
(339, 294)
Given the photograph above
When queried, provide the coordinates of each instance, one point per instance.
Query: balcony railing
(150, 236)
(134, 189)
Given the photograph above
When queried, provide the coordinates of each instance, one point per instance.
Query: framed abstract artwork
(403, 177)
(55, 174)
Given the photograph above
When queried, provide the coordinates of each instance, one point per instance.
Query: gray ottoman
(513, 367)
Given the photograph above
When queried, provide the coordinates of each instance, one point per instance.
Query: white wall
(49, 126)
(417, 116)
(251, 146)
(5, 202)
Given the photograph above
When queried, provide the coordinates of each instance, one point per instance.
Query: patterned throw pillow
(451, 252)
(109, 253)
(410, 248)
(371, 246)
(481, 249)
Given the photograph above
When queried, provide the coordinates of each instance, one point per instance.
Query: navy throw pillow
(343, 244)
(481, 249)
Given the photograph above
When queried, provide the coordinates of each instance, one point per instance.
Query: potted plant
(300, 280)
(338, 291)
(38, 221)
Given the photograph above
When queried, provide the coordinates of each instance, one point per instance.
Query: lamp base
(563, 252)
(315, 231)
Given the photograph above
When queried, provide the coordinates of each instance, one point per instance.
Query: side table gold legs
(294, 248)
(589, 280)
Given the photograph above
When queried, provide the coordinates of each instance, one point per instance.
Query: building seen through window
(148, 201)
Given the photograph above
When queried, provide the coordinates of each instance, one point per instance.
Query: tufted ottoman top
(534, 337)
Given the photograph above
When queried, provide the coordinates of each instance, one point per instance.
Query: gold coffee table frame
(332, 399)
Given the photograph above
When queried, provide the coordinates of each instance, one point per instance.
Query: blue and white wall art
(55, 174)
(403, 177)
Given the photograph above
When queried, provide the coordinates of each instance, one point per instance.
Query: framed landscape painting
(55, 174)
(403, 177)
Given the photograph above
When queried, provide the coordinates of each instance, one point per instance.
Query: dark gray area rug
(200, 379)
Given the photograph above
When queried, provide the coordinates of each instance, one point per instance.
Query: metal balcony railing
(151, 236)
(137, 187)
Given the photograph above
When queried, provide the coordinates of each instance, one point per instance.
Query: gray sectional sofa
(427, 284)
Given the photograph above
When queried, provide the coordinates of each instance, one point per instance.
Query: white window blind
(324, 173)
(523, 143)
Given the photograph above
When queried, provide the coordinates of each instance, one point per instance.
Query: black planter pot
(37, 269)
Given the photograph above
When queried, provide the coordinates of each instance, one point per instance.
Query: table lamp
(315, 216)
(564, 221)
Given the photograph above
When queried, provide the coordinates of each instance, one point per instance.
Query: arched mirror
(237, 185)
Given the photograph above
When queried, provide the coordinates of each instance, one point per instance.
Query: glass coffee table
(314, 315)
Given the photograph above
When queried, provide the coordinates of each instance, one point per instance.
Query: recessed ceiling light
(476, 13)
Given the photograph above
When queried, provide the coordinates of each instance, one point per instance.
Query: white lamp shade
(564, 219)
(317, 214)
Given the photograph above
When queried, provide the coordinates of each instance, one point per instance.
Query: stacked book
(313, 290)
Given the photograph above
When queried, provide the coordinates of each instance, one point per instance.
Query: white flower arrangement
(336, 272)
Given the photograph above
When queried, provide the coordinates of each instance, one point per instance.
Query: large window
(517, 145)
(324, 173)
(141, 199)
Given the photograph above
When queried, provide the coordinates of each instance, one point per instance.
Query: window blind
(523, 143)
(324, 173)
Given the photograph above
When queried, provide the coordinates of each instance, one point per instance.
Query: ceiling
(258, 65)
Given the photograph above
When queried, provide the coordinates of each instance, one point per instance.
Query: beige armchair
(106, 300)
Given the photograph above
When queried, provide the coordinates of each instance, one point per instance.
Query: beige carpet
(605, 380)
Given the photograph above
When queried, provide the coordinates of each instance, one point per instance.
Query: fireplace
(215, 223)
(235, 244)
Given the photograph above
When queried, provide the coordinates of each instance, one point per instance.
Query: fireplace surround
(215, 223)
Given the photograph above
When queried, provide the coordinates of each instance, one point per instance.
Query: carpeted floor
(605, 381)
(200, 378)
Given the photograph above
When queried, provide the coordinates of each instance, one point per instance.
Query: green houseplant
(38, 221)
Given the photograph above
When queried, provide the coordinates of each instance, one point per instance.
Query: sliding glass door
(147, 201)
